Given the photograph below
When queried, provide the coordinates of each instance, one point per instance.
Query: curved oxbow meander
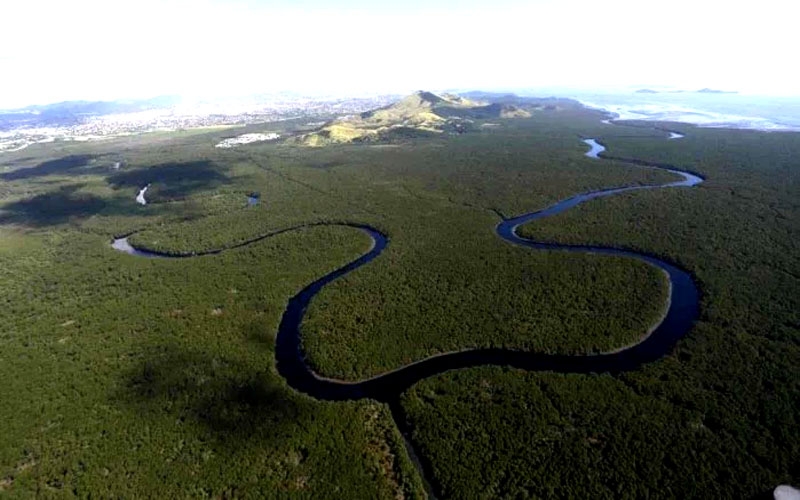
(682, 311)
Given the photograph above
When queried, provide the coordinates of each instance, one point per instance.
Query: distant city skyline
(56, 51)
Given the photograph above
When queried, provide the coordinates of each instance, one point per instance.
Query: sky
(100, 50)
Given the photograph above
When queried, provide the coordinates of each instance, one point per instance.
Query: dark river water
(681, 313)
(682, 310)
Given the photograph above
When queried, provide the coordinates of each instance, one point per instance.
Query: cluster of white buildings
(247, 139)
(182, 117)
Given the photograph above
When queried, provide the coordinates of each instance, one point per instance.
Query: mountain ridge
(422, 113)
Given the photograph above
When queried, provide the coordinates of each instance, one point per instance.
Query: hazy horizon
(564, 91)
(98, 51)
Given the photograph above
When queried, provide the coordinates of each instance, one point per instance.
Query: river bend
(681, 314)
(682, 310)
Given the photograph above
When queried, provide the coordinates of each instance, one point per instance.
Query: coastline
(708, 113)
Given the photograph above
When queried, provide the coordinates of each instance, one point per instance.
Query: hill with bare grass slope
(420, 114)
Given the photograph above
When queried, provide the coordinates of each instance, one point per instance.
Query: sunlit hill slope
(422, 113)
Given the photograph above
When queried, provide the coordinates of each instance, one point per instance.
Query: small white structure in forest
(140, 197)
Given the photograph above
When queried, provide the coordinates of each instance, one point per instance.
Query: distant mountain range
(68, 113)
(701, 91)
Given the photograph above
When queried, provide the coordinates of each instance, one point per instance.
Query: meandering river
(681, 312)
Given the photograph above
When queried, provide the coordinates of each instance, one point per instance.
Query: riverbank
(681, 311)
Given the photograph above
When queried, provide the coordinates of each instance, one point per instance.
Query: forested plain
(715, 419)
(125, 375)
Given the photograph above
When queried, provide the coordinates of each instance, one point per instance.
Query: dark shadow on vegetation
(403, 133)
(68, 165)
(52, 208)
(325, 165)
(172, 181)
(234, 402)
(261, 334)
(493, 110)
